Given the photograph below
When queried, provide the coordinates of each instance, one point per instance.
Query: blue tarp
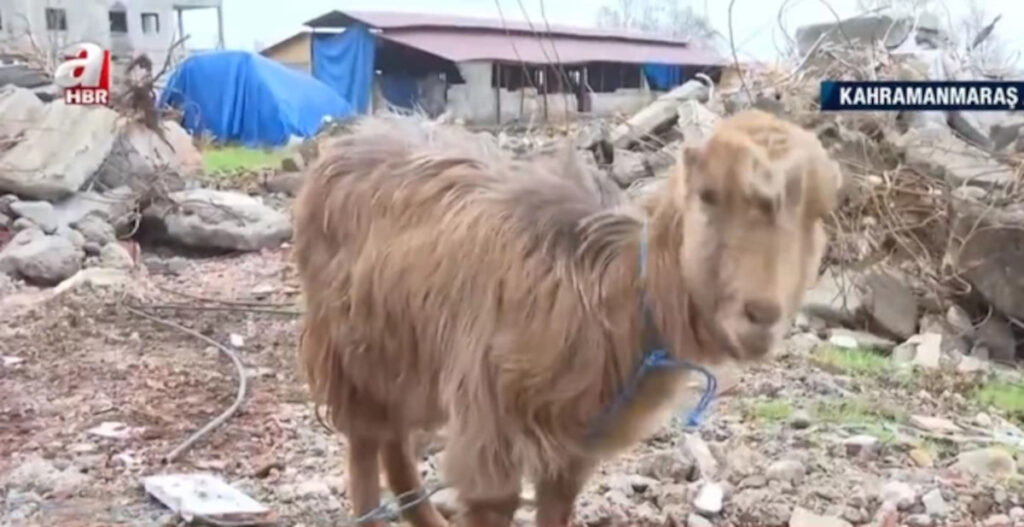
(345, 63)
(238, 96)
(400, 90)
(663, 77)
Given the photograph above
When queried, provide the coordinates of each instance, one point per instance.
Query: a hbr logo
(85, 75)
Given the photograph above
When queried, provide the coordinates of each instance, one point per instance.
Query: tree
(987, 51)
(671, 18)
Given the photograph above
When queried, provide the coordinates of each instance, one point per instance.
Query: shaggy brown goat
(447, 285)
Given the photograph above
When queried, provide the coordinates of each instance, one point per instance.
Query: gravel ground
(815, 437)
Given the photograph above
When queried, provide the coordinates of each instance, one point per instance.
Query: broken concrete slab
(214, 219)
(207, 497)
(996, 334)
(40, 258)
(938, 151)
(659, 115)
(695, 121)
(991, 254)
(58, 156)
(95, 229)
(863, 340)
(20, 108)
(114, 256)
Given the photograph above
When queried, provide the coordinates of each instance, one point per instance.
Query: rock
(835, 298)
(21, 224)
(934, 424)
(1017, 514)
(787, 470)
(959, 321)
(114, 206)
(92, 248)
(285, 183)
(95, 229)
(843, 337)
(934, 504)
(800, 419)
(40, 213)
(998, 520)
(666, 466)
(986, 462)
(997, 335)
(904, 353)
(990, 256)
(928, 350)
(5, 221)
(899, 493)
(918, 520)
(40, 258)
(862, 446)
(115, 256)
(709, 499)
(804, 518)
(701, 454)
(72, 236)
(39, 475)
(981, 505)
(5, 203)
(847, 342)
(672, 494)
(890, 304)
(629, 166)
(139, 157)
(969, 364)
(921, 458)
(60, 153)
(20, 108)
(696, 520)
(983, 420)
(215, 219)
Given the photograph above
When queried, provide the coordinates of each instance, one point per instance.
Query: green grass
(1003, 395)
(853, 361)
(856, 411)
(775, 410)
(230, 158)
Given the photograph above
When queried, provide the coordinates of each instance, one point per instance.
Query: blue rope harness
(657, 358)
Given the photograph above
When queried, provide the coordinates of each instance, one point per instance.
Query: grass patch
(230, 158)
(1003, 395)
(852, 361)
(769, 410)
(856, 412)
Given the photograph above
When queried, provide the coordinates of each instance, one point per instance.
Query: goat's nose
(762, 312)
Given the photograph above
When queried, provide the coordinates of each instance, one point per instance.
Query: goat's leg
(556, 495)
(403, 476)
(364, 476)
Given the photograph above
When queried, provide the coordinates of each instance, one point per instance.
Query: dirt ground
(814, 437)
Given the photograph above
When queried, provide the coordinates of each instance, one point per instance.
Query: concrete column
(220, 27)
(181, 22)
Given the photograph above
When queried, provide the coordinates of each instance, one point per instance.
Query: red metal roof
(390, 20)
(464, 45)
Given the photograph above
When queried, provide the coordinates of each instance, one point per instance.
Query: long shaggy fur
(446, 283)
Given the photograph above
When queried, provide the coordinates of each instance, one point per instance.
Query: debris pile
(77, 183)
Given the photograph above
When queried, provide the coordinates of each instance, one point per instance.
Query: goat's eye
(708, 197)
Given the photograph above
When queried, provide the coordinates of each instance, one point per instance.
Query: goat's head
(753, 235)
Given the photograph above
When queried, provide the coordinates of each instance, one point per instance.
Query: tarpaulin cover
(344, 62)
(663, 77)
(238, 96)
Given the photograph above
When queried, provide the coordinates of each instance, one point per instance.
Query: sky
(755, 22)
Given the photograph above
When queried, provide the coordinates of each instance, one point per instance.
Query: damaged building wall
(478, 101)
(31, 26)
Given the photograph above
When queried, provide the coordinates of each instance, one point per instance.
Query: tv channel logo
(85, 75)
